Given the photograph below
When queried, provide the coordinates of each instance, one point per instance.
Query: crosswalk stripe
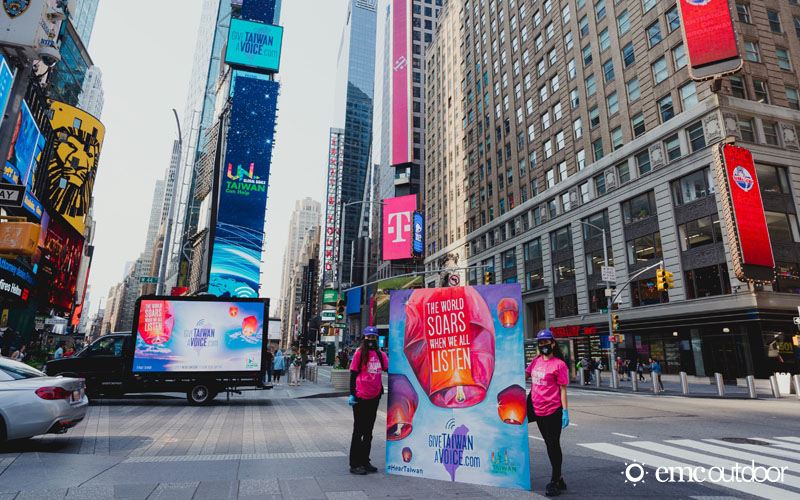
(655, 461)
(758, 448)
(788, 446)
(790, 438)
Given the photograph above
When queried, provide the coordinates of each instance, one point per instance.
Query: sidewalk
(672, 388)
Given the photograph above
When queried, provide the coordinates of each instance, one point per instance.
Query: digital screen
(419, 232)
(397, 226)
(6, 80)
(188, 336)
(254, 45)
(401, 83)
(709, 31)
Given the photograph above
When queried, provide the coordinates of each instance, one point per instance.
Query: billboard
(59, 263)
(744, 211)
(254, 45)
(274, 329)
(709, 37)
(397, 226)
(379, 296)
(16, 282)
(198, 335)
(6, 81)
(333, 204)
(73, 164)
(418, 247)
(402, 144)
(239, 229)
(454, 412)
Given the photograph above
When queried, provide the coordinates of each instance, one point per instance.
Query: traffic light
(487, 278)
(664, 280)
(339, 310)
(614, 322)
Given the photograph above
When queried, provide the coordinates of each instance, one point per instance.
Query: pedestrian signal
(614, 322)
(664, 280)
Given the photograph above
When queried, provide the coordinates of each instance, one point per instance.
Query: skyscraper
(91, 99)
(306, 216)
(84, 20)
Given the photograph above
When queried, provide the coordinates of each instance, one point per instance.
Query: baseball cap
(370, 330)
(544, 334)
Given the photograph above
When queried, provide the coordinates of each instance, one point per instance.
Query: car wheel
(200, 394)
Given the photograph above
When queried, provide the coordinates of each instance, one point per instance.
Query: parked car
(31, 403)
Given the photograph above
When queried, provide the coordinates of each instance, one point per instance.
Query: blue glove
(564, 418)
(351, 400)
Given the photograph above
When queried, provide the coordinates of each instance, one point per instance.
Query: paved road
(269, 444)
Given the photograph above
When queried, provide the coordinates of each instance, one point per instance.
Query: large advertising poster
(58, 267)
(190, 335)
(398, 232)
(254, 45)
(454, 412)
(401, 83)
(710, 38)
(239, 230)
(73, 164)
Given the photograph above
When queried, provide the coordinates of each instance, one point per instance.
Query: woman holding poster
(547, 403)
(366, 389)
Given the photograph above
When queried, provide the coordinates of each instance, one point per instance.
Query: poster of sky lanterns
(187, 336)
(456, 405)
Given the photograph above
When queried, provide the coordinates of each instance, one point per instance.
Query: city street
(272, 444)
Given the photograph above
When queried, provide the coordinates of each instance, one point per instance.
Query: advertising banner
(401, 83)
(190, 335)
(254, 45)
(419, 233)
(333, 205)
(398, 230)
(708, 32)
(6, 81)
(455, 411)
(330, 296)
(73, 165)
(239, 230)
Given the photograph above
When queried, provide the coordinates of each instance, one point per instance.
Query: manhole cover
(745, 441)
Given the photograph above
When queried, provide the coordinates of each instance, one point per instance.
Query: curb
(663, 393)
(325, 395)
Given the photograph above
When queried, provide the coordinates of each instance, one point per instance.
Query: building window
(584, 188)
(783, 58)
(605, 41)
(597, 146)
(608, 70)
(548, 148)
(700, 232)
(679, 56)
(707, 281)
(580, 158)
(751, 51)
(574, 98)
(533, 279)
(654, 34)
(633, 89)
(645, 293)
(738, 88)
(566, 305)
(616, 138)
(692, 187)
(648, 4)
(688, 96)
(598, 220)
(551, 178)
(697, 140)
(645, 248)
(590, 86)
(623, 173)
(771, 133)
(746, 128)
(743, 12)
(600, 184)
(594, 117)
(568, 43)
(564, 271)
(583, 26)
(613, 104)
(628, 57)
(562, 171)
(509, 259)
(639, 207)
(760, 91)
(774, 21)
(643, 162)
(772, 179)
(782, 227)
(565, 205)
(598, 300)
(660, 72)
(665, 108)
(577, 128)
(673, 20)
(797, 26)
(600, 9)
(637, 123)
(673, 146)
(561, 239)
(587, 54)
(623, 23)
(533, 249)
(571, 71)
(560, 140)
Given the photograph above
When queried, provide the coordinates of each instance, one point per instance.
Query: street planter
(340, 379)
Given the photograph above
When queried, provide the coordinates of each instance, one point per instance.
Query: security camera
(53, 14)
(49, 55)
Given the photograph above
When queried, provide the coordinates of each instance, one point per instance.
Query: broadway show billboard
(239, 230)
(198, 335)
(59, 264)
(456, 408)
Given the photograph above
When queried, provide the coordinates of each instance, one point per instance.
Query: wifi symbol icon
(450, 425)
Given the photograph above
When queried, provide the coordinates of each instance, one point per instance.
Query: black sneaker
(561, 484)
(370, 468)
(361, 471)
(551, 490)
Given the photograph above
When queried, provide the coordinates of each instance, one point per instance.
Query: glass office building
(83, 19)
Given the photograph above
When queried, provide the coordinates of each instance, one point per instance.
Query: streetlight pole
(612, 346)
(165, 244)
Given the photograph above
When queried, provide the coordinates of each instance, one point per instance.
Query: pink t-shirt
(546, 376)
(368, 382)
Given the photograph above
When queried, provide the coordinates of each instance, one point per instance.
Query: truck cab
(101, 363)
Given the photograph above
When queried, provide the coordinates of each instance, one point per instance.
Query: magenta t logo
(399, 224)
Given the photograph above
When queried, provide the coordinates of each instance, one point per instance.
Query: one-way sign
(11, 195)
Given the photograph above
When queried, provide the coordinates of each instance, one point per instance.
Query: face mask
(372, 344)
(546, 349)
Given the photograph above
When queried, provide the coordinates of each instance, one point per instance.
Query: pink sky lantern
(402, 405)
(511, 405)
(508, 312)
(450, 345)
(249, 326)
(156, 321)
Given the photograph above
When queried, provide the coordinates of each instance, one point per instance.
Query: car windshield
(18, 371)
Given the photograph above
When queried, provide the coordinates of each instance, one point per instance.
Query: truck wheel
(200, 394)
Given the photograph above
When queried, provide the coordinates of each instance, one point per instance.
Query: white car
(31, 403)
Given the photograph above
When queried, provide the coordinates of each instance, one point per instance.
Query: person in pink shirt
(547, 403)
(366, 389)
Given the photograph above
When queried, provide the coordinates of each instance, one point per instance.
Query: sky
(145, 54)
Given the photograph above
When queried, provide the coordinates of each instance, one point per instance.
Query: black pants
(364, 413)
(550, 427)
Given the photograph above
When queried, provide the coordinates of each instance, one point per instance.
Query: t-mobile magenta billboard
(398, 227)
(401, 83)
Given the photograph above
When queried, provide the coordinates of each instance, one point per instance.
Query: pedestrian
(547, 403)
(655, 373)
(277, 365)
(587, 370)
(304, 355)
(268, 359)
(366, 389)
(19, 354)
(294, 367)
(640, 370)
(626, 366)
(59, 352)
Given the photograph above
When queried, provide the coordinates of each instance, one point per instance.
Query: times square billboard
(239, 227)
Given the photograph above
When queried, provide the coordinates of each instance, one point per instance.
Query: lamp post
(165, 250)
(612, 346)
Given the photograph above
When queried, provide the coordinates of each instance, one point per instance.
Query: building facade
(84, 20)
(91, 99)
(578, 113)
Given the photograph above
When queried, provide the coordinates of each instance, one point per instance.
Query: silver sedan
(31, 403)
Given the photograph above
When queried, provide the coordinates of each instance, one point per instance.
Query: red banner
(748, 208)
(709, 31)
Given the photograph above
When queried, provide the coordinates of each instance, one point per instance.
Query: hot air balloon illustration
(407, 454)
(249, 326)
(156, 321)
(402, 405)
(511, 405)
(508, 312)
(450, 344)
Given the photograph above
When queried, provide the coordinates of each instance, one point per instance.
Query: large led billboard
(174, 335)
(398, 233)
(59, 263)
(709, 36)
(6, 81)
(73, 164)
(254, 45)
(333, 208)
(239, 228)
(402, 151)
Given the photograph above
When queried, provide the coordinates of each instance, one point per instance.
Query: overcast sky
(146, 54)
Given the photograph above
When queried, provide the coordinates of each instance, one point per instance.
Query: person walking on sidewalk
(366, 389)
(277, 365)
(268, 359)
(547, 403)
(640, 370)
(294, 367)
(655, 373)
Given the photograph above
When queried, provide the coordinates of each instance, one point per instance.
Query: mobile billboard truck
(198, 345)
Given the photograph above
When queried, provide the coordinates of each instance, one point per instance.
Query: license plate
(76, 396)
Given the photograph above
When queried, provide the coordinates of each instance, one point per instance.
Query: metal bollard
(796, 380)
(773, 383)
(581, 377)
(684, 383)
(634, 382)
(597, 378)
(751, 387)
(720, 384)
(614, 378)
(654, 382)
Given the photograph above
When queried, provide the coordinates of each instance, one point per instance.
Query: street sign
(453, 280)
(608, 273)
(340, 325)
(328, 315)
(11, 195)
(330, 296)
(148, 279)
